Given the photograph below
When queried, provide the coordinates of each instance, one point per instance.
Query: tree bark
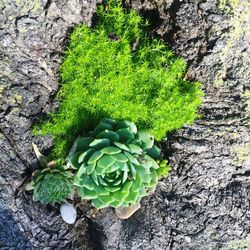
(204, 203)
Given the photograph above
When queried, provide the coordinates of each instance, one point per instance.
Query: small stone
(68, 213)
(126, 212)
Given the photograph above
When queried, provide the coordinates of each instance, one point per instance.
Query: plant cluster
(116, 165)
(115, 70)
(51, 185)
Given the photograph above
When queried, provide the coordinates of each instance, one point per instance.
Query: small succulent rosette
(51, 185)
(116, 164)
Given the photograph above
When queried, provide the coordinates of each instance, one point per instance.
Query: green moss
(239, 28)
(228, 5)
(104, 75)
(247, 95)
(22, 30)
(1, 89)
(218, 79)
(11, 100)
(18, 98)
(239, 244)
(15, 110)
(242, 153)
(29, 5)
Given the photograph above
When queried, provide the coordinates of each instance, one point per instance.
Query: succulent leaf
(85, 155)
(90, 168)
(98, 203)
(119, 157)
(112, 189)
(154, 152)
(108, 121)
(99, 143)
(103, 126)
(94, 177)
(132, 197)
(106, 198)
(125, 134)
(132, 158)
(125, 176)
(86, 193)
(87, 182)
(146, 138)
(134, 149)
(119, 195)
(81, 144)
(117, 203)
(127, 186)
(106, 161)
(137, 183)
(122, 146)
(73, 160)
(111, 150)
(112, 136)
(127, 124)
(95, 156)
(132, 169)
(102, 190)
(82, 170)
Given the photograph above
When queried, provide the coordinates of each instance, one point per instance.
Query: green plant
(116, 165)
(115, 70)
(51, 185)
(228, 5)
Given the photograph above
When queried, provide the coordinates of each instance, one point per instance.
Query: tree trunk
(204, 203)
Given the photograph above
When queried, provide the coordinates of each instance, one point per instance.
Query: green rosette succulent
(116, 164)
(51, 185)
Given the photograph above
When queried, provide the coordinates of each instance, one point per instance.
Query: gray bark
(204, 203)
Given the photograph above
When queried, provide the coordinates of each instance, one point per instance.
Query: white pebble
(68, 213)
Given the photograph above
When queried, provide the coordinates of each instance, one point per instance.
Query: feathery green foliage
(115, 70)
(51, 185)
(116, 165)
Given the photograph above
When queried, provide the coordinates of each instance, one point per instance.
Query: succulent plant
(116, 164)
(51, 184)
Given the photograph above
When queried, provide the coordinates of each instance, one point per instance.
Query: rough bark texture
(204, 204)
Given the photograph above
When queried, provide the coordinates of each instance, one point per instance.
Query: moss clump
(228, 5)
(239, 244)
(114, 70)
